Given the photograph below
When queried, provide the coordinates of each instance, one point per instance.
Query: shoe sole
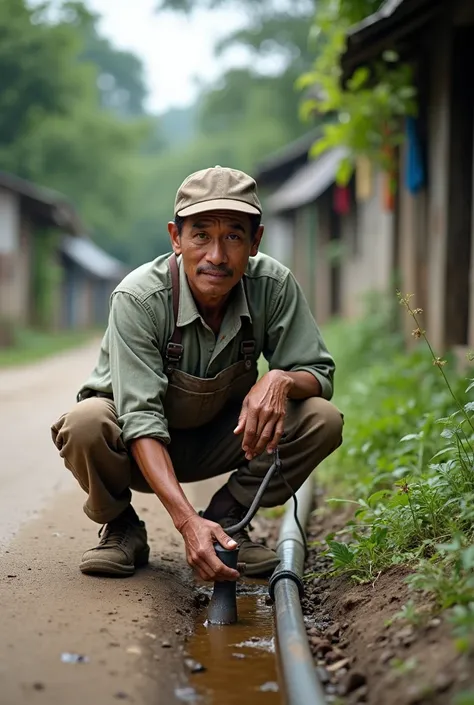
(261, 570)
(97, 566)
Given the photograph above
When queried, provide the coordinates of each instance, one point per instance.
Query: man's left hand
(263, 413)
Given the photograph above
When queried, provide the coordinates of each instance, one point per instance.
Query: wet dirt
(238, 661)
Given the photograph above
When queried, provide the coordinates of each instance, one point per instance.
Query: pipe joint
(280, 575)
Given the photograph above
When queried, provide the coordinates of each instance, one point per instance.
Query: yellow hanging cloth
(363, 178)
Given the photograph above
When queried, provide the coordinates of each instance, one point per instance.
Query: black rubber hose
(276, 465)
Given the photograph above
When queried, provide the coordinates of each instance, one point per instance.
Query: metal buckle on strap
(174, 353)
(247, 350)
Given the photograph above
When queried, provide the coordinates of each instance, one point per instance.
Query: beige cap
(218, 188)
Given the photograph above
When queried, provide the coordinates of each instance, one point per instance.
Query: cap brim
(219, 204)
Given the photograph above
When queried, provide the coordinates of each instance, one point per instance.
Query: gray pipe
(286, 589)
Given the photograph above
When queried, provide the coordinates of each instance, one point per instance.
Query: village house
(89, 277)
(51, 275)
(343, 243)
(338, 242)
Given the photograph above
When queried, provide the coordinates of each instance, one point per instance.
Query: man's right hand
(199, 534)
(199, 537)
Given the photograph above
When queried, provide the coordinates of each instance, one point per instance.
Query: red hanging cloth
(342, 200)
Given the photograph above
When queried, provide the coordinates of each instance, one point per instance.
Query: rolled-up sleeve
(136, 367)
(293, 339)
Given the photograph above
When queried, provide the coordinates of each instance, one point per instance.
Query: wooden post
(438, 196)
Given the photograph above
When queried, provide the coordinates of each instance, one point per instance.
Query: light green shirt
(130, 365)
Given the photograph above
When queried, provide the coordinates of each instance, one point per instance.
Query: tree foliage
(249, 111)
(260, 8)
(36, 80)
(56, 127)
(72, 113)
(366, 115)
(120, 81)
(275, 30)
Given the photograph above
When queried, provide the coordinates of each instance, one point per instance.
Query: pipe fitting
(285, 573)
(223, 605)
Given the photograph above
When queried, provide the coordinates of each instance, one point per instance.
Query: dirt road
(129, 630)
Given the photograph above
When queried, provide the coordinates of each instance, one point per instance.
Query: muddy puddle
(238, 660)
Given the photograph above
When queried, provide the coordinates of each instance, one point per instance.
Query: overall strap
(174, 349)
(247, 346)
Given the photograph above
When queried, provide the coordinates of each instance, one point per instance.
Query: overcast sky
(175, 50)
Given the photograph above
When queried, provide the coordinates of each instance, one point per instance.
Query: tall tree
(72, 113)
(120, 76)
(260, 95)
(38, 74)
(248, 113)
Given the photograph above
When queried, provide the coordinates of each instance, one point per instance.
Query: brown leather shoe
(123, 547)
(260, 561)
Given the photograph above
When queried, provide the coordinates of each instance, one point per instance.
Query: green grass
(32, 345)
(406, 466)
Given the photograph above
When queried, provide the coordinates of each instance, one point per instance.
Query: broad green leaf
(411, 437)
(304, 81)
(345, 171)
(341, 553)
(377, 497)
(448, 433)
(359, 78)
(444, 451)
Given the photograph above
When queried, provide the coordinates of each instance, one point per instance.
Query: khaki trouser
(90, 442)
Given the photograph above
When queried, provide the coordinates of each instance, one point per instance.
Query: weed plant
(407, 466)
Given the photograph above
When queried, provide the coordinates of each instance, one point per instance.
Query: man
(175, 398)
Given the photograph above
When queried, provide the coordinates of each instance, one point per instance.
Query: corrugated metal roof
(309, 182)
(45, 203)
(293, 152)
(92, 258)
(387, 10)
(393, 22)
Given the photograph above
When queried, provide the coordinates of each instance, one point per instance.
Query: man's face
(215, 249)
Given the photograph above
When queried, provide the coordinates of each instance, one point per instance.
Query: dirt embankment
(363, 655)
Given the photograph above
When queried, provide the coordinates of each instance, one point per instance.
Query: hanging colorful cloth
(389, 189)
(341, 199)
(414, 167)
(363, 178)
(389, 177)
